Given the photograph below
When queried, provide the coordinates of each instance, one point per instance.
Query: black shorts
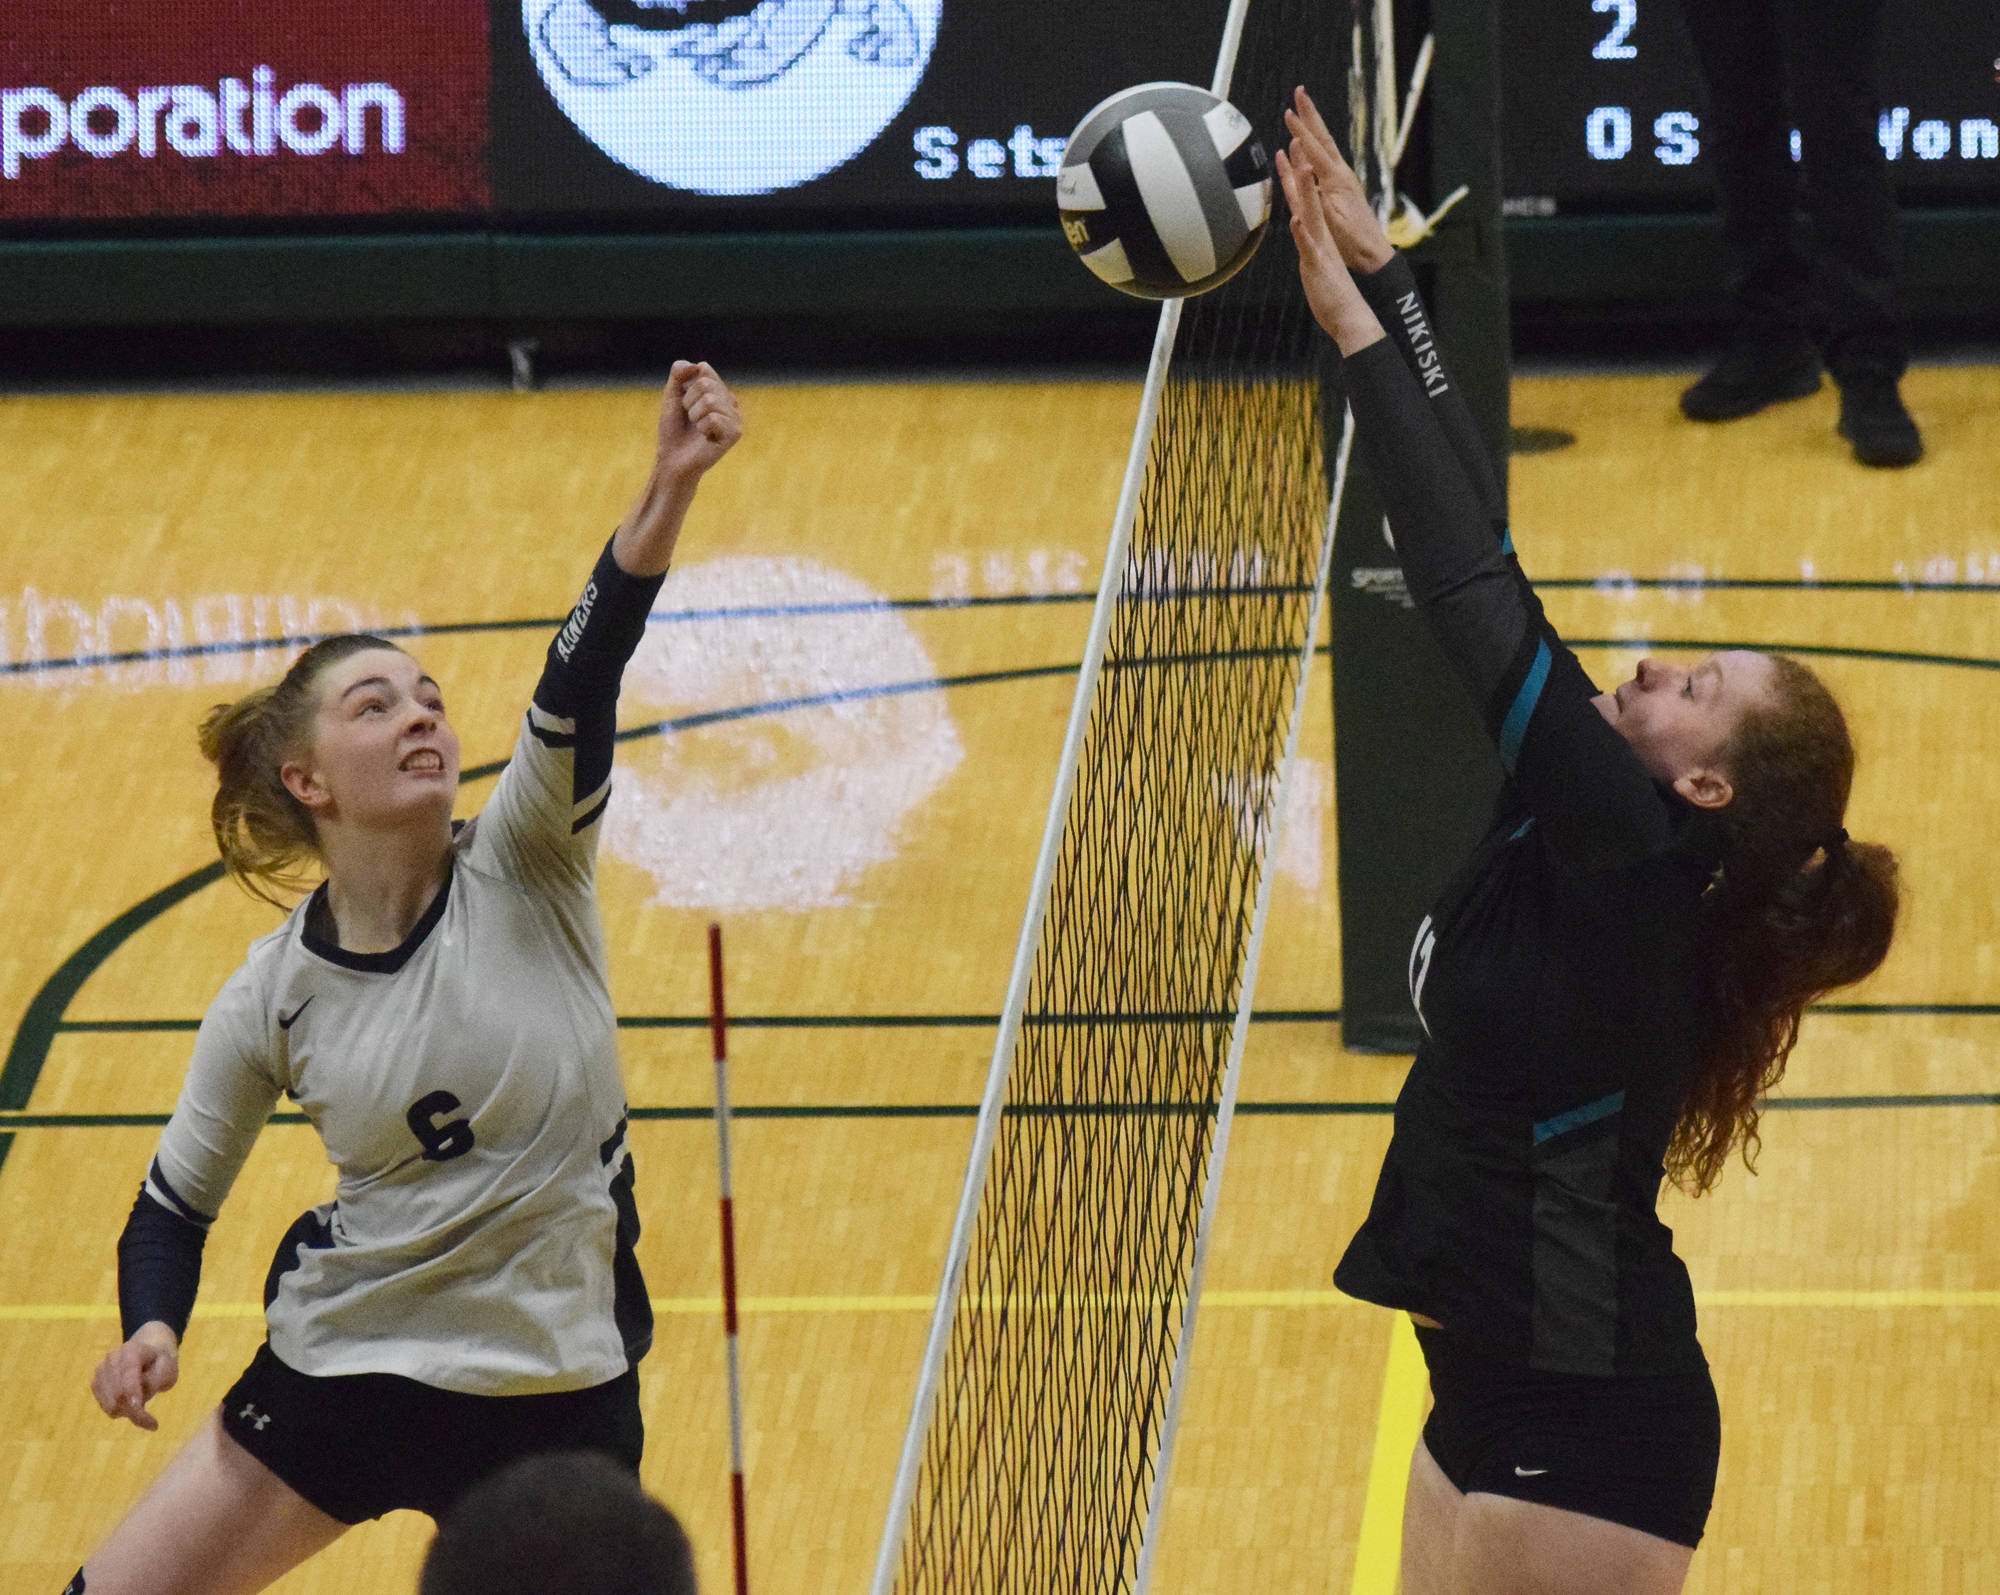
(359, 1445)
(1640, 1450)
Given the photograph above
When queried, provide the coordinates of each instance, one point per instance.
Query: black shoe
(1873, 419)
(1750, 376)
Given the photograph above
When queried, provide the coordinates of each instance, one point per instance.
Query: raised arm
(1382, 273)
(542, 823)
(1595, 800)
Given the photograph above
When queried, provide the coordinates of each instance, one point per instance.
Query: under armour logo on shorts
(253, 1417)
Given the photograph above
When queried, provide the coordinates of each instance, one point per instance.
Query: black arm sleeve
(1581, 779)
(1392, 294)
(586, 661)
(159, 1267)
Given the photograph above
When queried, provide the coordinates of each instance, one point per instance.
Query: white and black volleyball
(1165, 190)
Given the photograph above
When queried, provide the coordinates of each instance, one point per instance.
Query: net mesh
(1038, 1463)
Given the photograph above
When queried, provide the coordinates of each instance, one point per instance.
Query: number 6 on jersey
(442, 1142)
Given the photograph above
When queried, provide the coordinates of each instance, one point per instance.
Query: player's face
(1679, 718)
(383, 752)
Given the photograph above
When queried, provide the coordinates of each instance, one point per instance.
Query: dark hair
(266, 835)
(1796, 910)
(571, 1523)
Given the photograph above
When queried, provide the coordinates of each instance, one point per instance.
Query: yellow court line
(1398, 1422)
(1877, 1300)
(783, 1306)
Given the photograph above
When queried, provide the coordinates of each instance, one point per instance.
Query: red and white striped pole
(718, 1026)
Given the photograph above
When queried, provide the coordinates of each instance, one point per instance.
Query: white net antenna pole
(994, 1101)
(1232, 41)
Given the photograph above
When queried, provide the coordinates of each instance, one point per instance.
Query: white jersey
(468, 1090)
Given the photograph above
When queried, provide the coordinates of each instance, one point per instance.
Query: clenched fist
(132, 1374)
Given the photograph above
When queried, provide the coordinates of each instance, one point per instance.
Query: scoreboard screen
(1604, 108)
(876, 110)
(709, 112)
(733, 114)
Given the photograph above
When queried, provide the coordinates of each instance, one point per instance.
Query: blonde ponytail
(266, 836)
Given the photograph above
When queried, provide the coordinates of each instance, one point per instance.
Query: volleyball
(1165, 190)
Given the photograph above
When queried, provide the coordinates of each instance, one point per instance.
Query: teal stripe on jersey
(1515, 727)
(1577, 1118)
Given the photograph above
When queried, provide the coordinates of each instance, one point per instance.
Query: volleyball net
(1042, 1430)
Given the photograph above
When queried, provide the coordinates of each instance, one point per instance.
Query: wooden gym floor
(869, 858)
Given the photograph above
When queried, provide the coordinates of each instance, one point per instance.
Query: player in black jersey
(439, 1009)
(1606, 989)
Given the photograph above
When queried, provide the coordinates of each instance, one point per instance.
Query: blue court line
(1812, 650)
(663, 617)
(1610, 585)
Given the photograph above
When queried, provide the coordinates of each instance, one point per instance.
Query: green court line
(38, 1027)
(886, 1021)
(1398, 1377)
(44, 1013)
(1884, 1009)
(987, 1021)
(12, 1121)
(119, 1027)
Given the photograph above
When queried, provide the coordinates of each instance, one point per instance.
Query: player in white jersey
(438, 1008)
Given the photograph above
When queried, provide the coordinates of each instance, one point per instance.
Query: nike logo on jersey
(286, 1021)
(1529, 1473)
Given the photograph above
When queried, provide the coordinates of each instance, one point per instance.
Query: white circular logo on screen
(731, 96)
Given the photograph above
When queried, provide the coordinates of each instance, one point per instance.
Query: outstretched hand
(1336, 303)
(700, 421)
(132, 1374)
(1350, 219)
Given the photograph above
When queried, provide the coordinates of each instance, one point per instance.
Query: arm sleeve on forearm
(1456, 572)
(587, 659)
(1392, 294)
(1581, 779)
(159, 1266)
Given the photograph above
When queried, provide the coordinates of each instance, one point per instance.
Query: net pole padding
(718, 1029)
(993, 1102)
(1232, 1072)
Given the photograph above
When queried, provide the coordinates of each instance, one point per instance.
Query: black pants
(359, 1445)
(1638, 1449)
(1773, 65)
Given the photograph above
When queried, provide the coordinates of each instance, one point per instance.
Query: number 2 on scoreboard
(1612, 47)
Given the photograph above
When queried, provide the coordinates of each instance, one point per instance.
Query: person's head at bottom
(568, 1523)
